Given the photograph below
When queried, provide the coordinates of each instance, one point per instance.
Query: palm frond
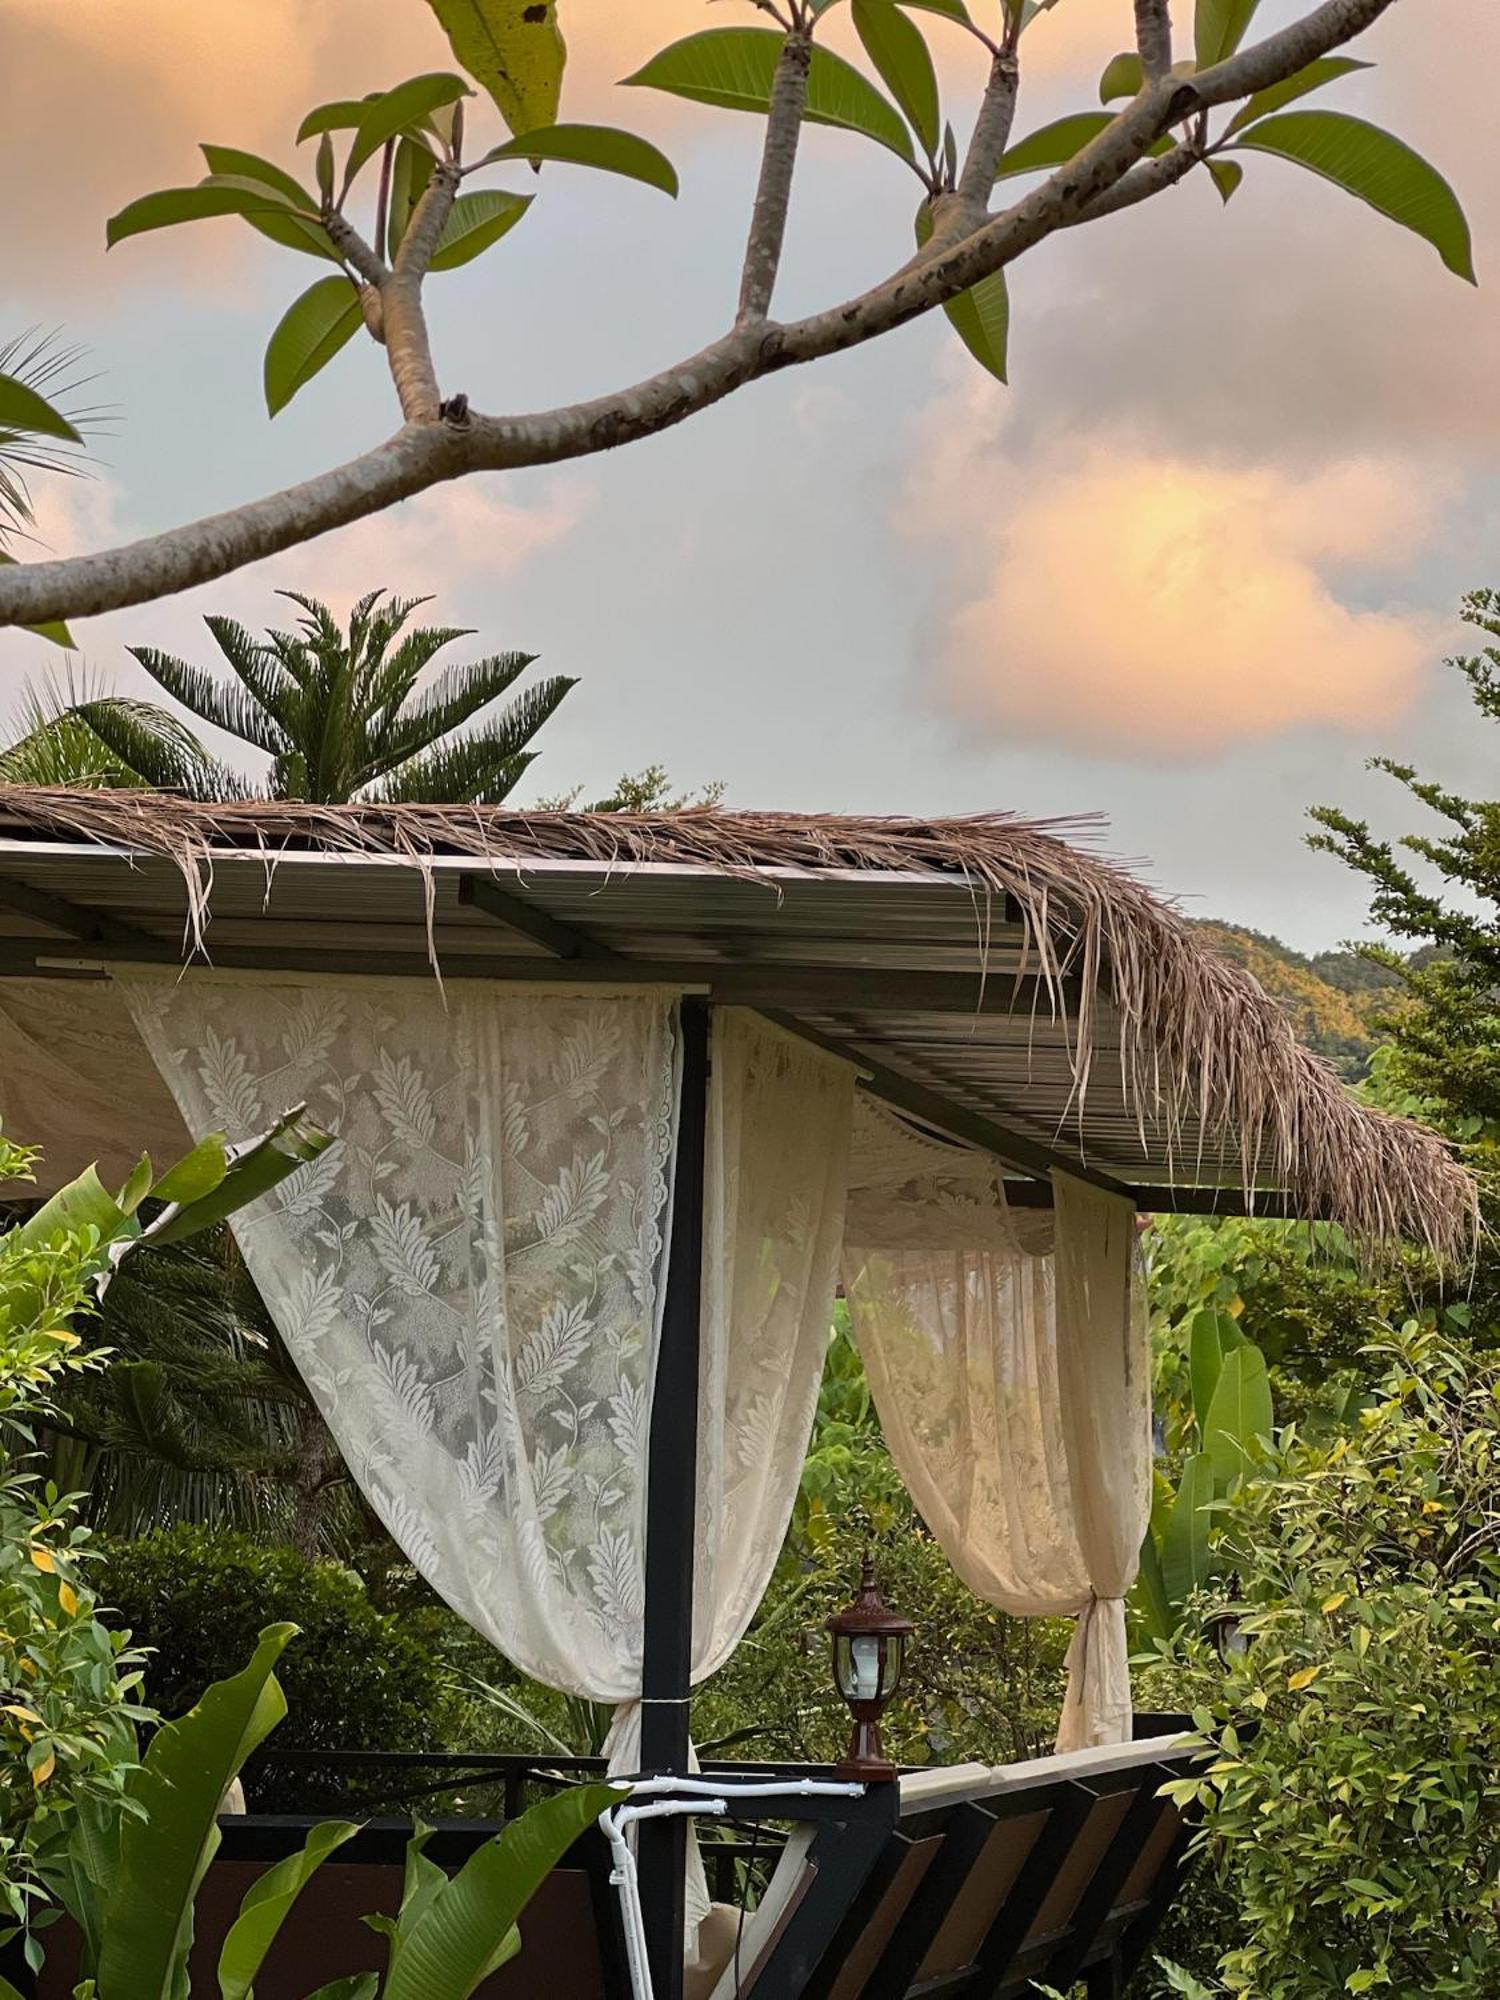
(456, 697)
(51, 367)
(259, 671)
(468, 772)
(228, 708)
(393, 679)
(158, 751)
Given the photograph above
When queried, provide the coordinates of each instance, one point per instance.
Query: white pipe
(706, 1796)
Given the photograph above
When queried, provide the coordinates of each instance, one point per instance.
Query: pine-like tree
(337, 710)
(1443, 1058)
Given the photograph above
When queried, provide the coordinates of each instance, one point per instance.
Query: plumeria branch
(1153, 37)
(773, 196)
(442, 441)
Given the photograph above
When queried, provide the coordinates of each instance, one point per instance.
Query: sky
(1196, 564)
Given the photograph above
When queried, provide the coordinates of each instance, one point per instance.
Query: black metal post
(671, 1514)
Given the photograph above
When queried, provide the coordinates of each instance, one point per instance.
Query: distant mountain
(1333, 998)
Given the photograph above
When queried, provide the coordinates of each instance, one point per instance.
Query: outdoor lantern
(869, 1652)
(1230, 1639)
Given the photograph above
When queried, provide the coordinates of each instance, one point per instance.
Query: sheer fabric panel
(778, 1162)
(1012, 1380)
(471, 1280)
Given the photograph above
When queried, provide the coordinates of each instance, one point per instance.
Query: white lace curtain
(1008, 1357)
(471, 1281)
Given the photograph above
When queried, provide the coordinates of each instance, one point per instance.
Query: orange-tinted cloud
(1136, 602)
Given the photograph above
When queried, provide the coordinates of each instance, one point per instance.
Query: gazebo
(620, 1100)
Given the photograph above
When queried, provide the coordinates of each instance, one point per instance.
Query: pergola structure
(1001, 992)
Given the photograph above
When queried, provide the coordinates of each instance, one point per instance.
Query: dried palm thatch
(1203, 1047)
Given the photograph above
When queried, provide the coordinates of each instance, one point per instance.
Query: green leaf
(85, 1203)
(165, 1853)
(1185, 1561)
(515, 49)
(1051, 144)
(979, 316)
(266, 1907)
(1122, 77)
(230, 161)
(362, 1986)
(138, 1186)
(397, 110)
(601, 146)
(54, 628)
(1240, 1412)
(343, 114)
(464, 1931)
(1205, 1360)
(952, 10)
(253, 1170)
(198, 1173)
(1219, 28)
(477, 221)
(735, 69)
(897, 49)
(981, 319)
(1226, 176)
(1149, 1597)
(1376, 166)
(311, 331)
(1327, 69)
(22, 409)
(170, 206)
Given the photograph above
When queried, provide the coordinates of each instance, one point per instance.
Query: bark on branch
(991, 134)
(407, 343)
(777, 166)
(424, 453)
(1153, 37)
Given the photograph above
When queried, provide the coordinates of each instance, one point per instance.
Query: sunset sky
(1190, 570)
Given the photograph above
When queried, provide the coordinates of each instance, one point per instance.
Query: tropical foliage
(1354, 1814)
(357, 1680)
(339, 711)
(130, 1881)
(411, 141)
(66, 1737)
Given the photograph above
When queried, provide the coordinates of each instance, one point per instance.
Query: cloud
(454, 543)
(1128, 601)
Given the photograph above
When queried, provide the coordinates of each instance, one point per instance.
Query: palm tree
(56, 746)
(337, 711)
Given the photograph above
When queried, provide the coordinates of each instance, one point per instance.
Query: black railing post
(671, 1518)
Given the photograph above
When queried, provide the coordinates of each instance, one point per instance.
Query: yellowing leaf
(23, 1714)
(515, 49)
(44, 1770)
(1332, 1603)
(44, 1560)
(67, 1597)
(63, 1335)
(1302, 1679)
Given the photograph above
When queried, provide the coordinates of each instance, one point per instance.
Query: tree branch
(354, 250)
(1144, 180)
(1153, 37)
(778, 164)
(991, 134)
(425, 453)
(407, 344)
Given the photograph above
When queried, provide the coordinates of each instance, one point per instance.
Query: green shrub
(355, 1679)
(1354, 1817)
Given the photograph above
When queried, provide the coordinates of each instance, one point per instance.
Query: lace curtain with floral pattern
(1008, 1357)
(470, 1281)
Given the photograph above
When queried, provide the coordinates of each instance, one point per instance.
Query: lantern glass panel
(894, 1661)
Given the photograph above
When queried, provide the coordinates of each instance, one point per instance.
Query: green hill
(1333, 998)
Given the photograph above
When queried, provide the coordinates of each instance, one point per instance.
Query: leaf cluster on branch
(406, 149)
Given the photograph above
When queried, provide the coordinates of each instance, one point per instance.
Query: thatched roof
(1202, 1071)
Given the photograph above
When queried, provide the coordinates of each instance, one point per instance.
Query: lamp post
(869, 1654)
